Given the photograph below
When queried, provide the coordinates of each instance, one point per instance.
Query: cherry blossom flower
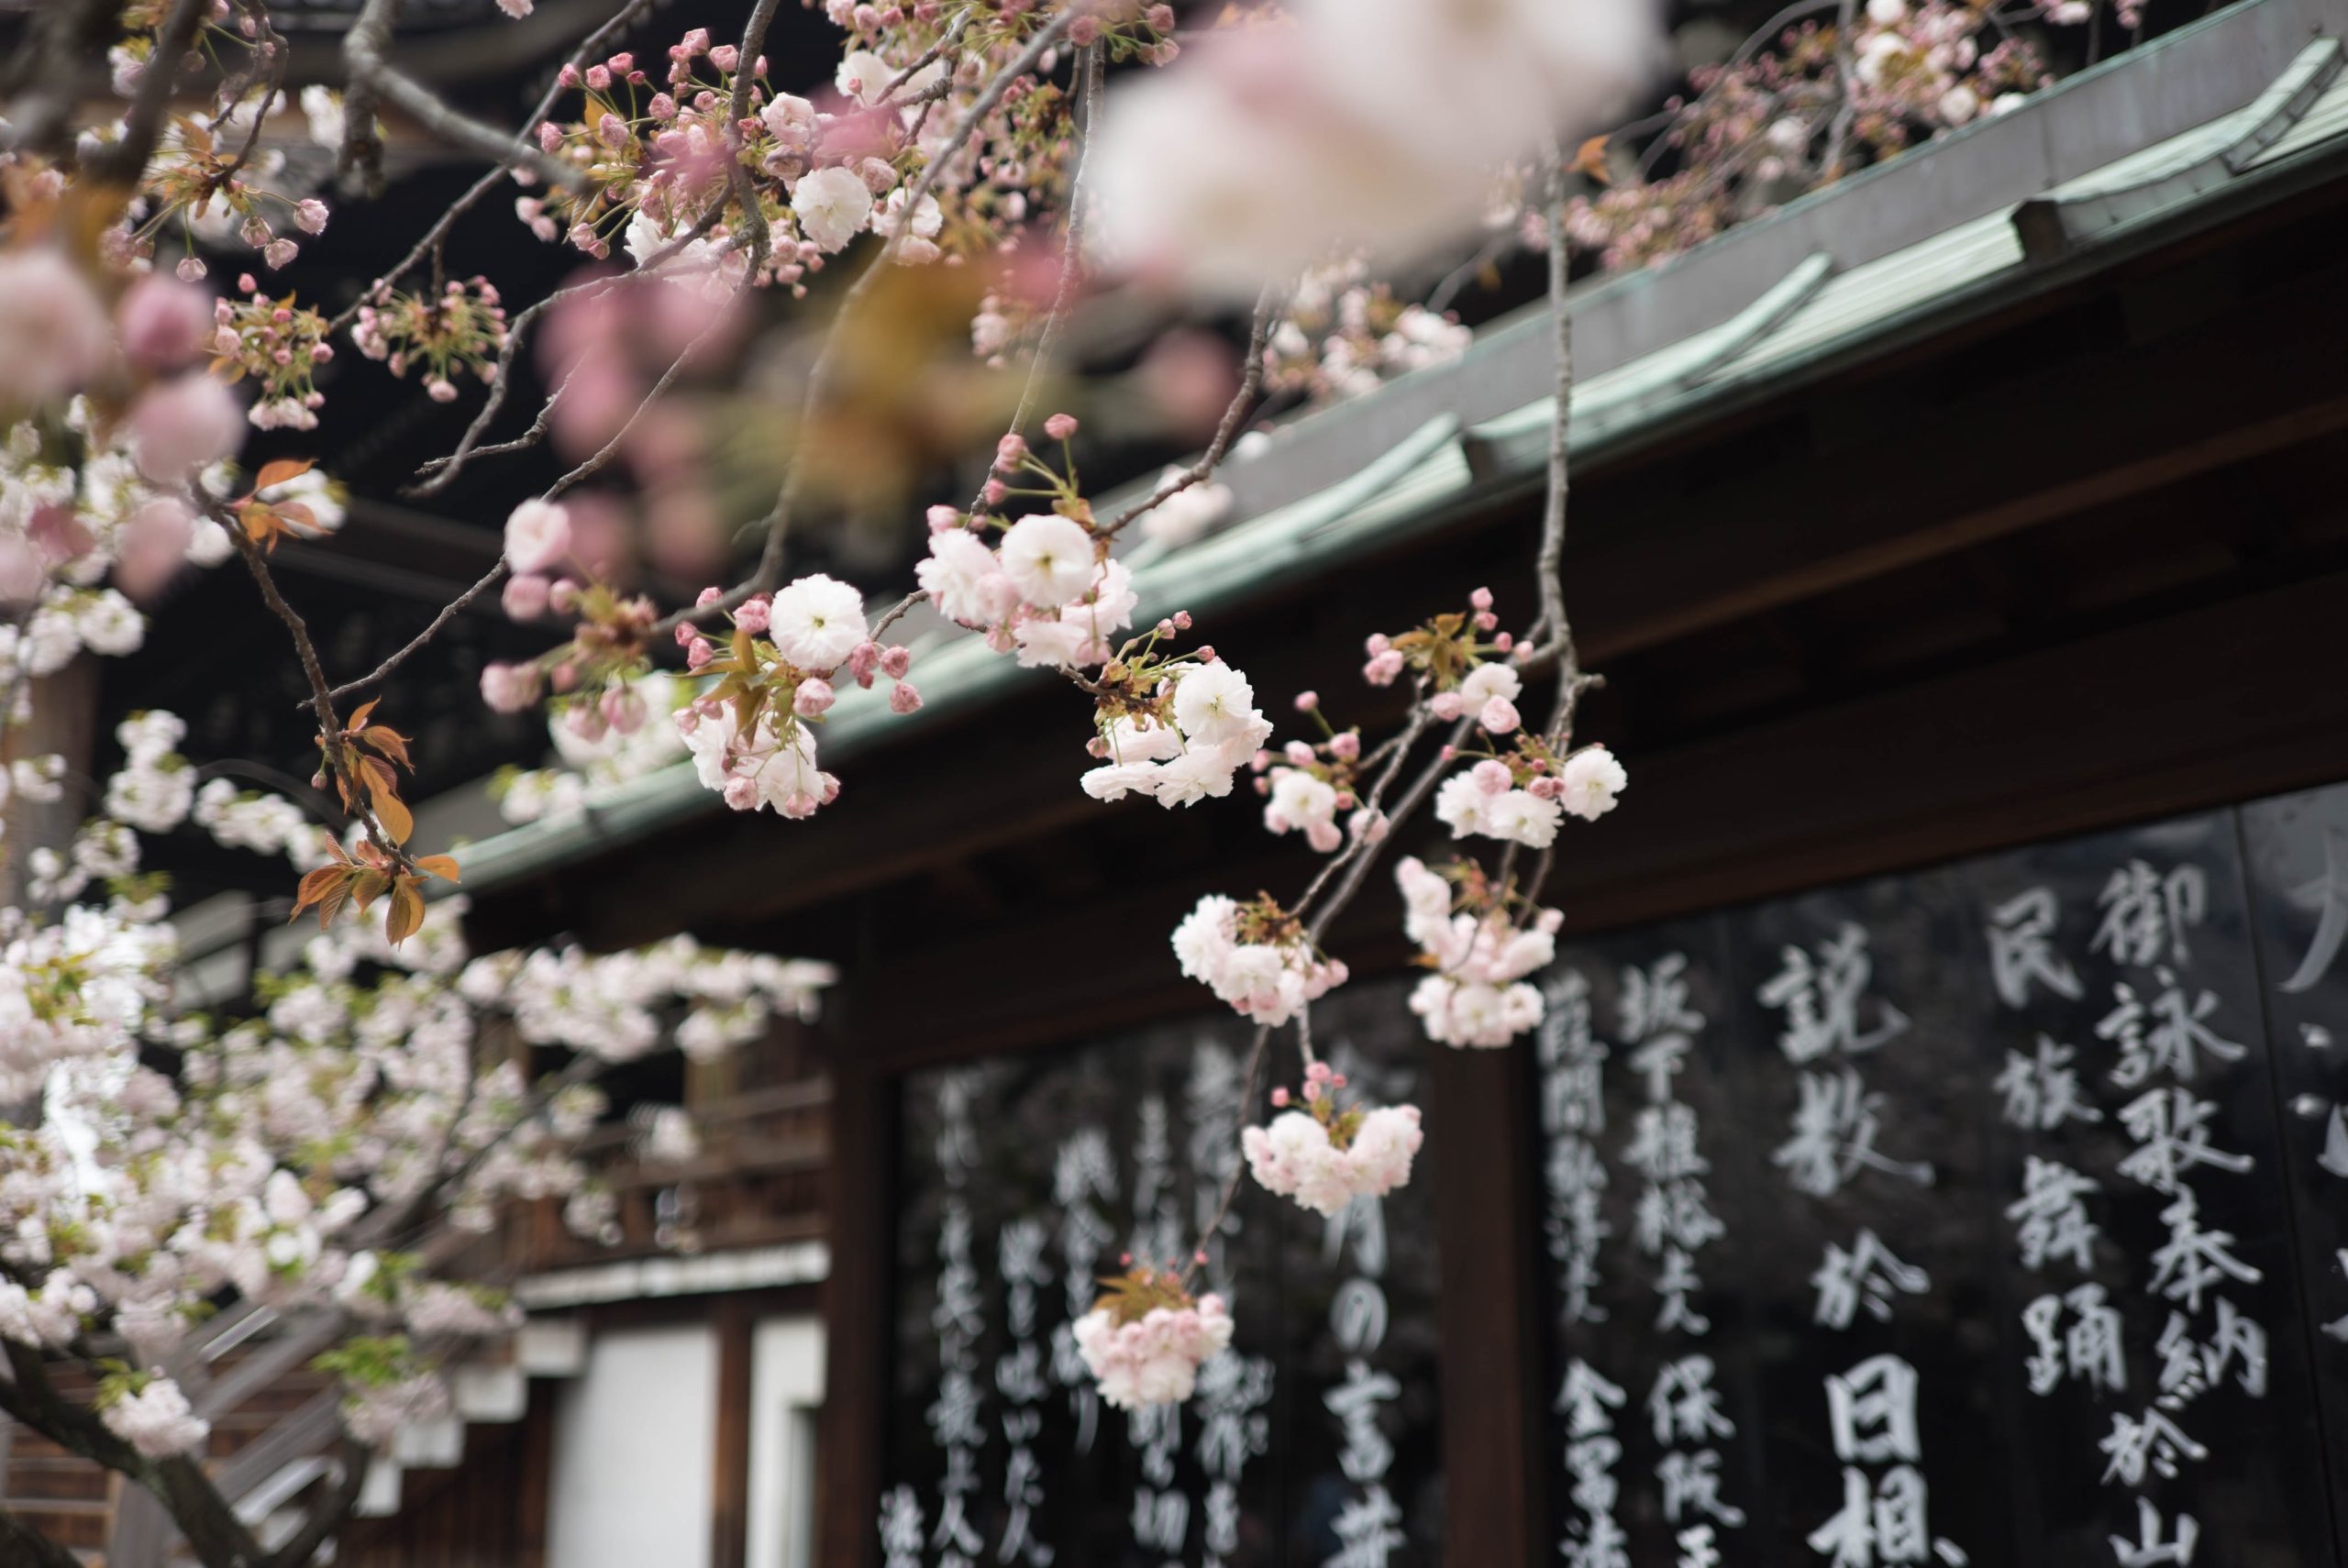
(1324, 1158)
(155, 1419)
(816, 622)
(832, 205)
(1468, 933)
(1145, 1344)
(1254, 956)
(537, 536)
(54, 334)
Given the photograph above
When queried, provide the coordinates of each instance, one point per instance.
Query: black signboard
(1021, 1183)
(1970, 1227)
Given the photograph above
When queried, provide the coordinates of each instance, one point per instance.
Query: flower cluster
(1145, 1339)
(595, 673)
(280, 345)
(1481, 944)
(752, 734)
(1175, 727)
(461, 331)
(1777, 120)
(1256, 956)
(1311, 782)
(1520, 798)
(1345, 335)
(1324, 1157)
(148, 1411)
(212, 181)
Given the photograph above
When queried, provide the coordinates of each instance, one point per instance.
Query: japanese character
(2152, 1442)
(2042, 1092)
(1871, 1410)
(2171, 1129)
(2020, 953)
(1820, 999)
(1867, 1270)
(2192, 1259)
(2175, 1040)
(2052, 1221)
(2146, 914)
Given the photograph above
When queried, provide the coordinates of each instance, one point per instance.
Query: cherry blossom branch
(1255, 1057)
(20, 1543)
(1089, 75)
(126, 160)
(1549, 564)
(589, 48)
(321, 697)
(1251, 384)
(330, 1512)
(415, 645)
(363, 52)
(777, 522)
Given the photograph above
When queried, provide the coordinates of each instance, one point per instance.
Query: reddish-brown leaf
(280, 470)
(406, 911)
(441, 865)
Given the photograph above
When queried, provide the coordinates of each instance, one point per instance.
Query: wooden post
(729, 1507)
(1492, 1374)
(849, 1456)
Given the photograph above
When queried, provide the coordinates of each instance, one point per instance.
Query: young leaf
(405, 913)
(279, 471)
(393, 815)
(441, 865)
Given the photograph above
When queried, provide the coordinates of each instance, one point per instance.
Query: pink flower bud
(1376, 643)
(1481, 599)
(565, 677)
(903, 698)
(1346, 746)
(862, 660)
(1010, 450)
(1307, 700)
(725, 57)
(707, 597)
(623, 709)
(741, 793)
(1299, 752)
(509, 688)
(1493, 776)
(1499, 716)
(814, 698)
(191, 268)
(943, 518)
(1060, 426)
(1383, 668)
(1279, 1097)
(1504, 642)
(755, 614)
(525, 596)
(700, 653)
(310, 215)
(1445, 705)
(895, 661)
(563, 598)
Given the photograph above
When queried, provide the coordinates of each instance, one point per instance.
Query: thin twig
(1251, 383)
(589, 47)
(122, 163)
(363, 52)
(448, 613)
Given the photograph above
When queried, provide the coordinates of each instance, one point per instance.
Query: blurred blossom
(1367, 124)
(53, 331)
(1189, 377)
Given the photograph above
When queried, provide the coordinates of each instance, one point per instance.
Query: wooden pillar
(729, 1505)
(1493, 1379)
(849, 1456)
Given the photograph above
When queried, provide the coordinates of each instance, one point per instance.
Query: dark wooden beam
(1492, 1400)
(853, 1432)
(729, 1500)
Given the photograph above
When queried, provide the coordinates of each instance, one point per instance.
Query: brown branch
(777, 522)
(21, 1543)
(364, 53)
(321, 697)
(448, 613)
(1256, 1056)
(1251, 384)
(588, 48)
(122, 163)
(1088, 73)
